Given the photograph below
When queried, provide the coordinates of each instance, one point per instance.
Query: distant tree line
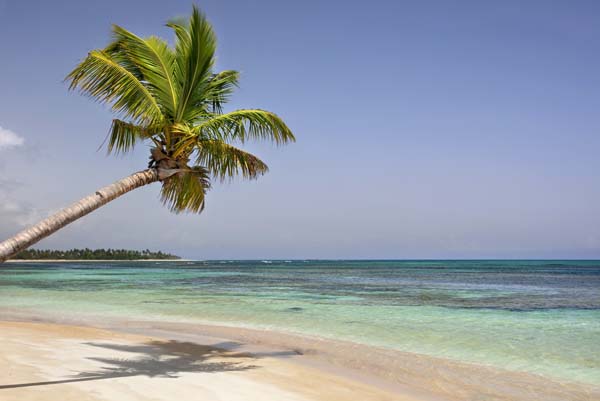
(103, 254)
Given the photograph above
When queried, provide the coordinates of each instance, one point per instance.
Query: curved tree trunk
(44, 228)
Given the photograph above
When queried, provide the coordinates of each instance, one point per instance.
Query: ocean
(540, 317)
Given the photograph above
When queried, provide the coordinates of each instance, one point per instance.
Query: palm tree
(171, 98)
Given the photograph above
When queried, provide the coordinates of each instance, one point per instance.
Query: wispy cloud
(15, 213)
(9, 139)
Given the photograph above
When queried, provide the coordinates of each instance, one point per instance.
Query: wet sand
(138, 360)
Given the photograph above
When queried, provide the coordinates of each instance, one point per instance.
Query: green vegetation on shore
(93, 254)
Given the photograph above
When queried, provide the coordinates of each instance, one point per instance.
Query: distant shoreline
(92, 260)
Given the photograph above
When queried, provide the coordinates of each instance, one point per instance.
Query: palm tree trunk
(44, 228)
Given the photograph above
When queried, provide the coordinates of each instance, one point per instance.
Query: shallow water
(534, 316)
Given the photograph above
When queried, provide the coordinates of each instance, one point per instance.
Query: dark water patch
(163, 301)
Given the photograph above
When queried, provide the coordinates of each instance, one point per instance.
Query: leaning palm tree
(171, 98)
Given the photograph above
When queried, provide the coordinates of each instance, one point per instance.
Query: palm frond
(117, 51)
(219, 88)
(242, 125)
(194, 53)
(225, 161)
(171, 97)
(105, 77)
(185, 191)
(123, 135)
(155, 61)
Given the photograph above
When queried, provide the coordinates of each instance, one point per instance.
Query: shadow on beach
(164, 359)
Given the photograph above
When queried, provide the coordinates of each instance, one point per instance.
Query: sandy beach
(47, 361)
(142, 360)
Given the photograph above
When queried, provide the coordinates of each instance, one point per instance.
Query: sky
(425, 129)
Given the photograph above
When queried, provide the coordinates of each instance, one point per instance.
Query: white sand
(42, 361)
(95, 358)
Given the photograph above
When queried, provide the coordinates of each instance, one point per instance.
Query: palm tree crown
(172, 97)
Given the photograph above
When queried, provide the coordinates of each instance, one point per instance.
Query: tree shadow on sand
(165, 359)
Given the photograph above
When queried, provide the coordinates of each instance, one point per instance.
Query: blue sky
(426, 129)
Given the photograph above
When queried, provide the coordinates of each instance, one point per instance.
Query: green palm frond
(185, 191)
(116, 50)
(219, 88)
(123, 135)
(171, 96)
(225, 161)
(104, 76)
(243, 125)
(195, 57)
(155, 61)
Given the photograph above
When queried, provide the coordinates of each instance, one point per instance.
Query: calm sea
(534, 316)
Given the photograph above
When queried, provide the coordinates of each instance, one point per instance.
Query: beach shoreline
(70, 362)
(387, 372)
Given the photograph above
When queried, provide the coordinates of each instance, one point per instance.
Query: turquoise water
(534, 316)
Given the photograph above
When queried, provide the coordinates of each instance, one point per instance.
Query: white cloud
(15, 214)
(9, 139)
